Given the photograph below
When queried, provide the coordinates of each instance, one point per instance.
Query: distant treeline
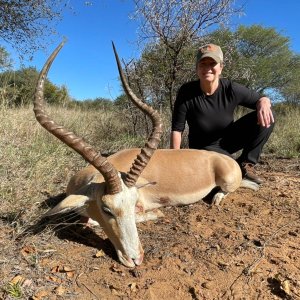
(259, 58)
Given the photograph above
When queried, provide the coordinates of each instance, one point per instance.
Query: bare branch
(27, 24)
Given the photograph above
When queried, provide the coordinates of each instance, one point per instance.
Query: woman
(208, 104)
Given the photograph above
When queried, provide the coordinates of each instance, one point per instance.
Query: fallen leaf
(55, 269)
(53, 279)
(64, 269)
(283, 283)
(70, 274)
(286, 287)
(40, 295)
(17, 280)
(100, 253)
(67, 269)
(27, 250)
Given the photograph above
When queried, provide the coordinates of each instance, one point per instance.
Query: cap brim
(211, 55)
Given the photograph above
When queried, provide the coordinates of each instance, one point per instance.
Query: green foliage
(171, 29)
(121, 101)
(257, 57)
(291, 90)
(25, 24)
(17, 88)
(160, 74)
(261, 59)
(157, 75)
(14, 290)
(93, 104)
(135, 120)
(29, 151)
(267, 55)
(5, 61)
(55, 94)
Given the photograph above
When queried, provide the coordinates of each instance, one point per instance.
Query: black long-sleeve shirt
(209, 115)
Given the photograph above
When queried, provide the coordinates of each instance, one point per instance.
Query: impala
(129, 186)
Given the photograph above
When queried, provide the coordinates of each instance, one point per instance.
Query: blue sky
(86, 64)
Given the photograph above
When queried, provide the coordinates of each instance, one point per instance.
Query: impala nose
(131, 262)
(139, 260)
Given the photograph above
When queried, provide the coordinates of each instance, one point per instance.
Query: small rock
(209, 285)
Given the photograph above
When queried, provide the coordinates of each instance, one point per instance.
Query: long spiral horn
(108, 171)
(144, 156)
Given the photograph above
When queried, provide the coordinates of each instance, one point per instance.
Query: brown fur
(181, 176)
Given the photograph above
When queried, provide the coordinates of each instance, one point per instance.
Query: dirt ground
(248, 248)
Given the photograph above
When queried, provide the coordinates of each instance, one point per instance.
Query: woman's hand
(264, 113)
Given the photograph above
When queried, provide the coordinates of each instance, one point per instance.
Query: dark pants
(246, 135)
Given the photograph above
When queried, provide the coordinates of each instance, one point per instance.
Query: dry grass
(35, 167)
(285, 140)
(33, 162)
(31, 159)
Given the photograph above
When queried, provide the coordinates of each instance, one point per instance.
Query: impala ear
(72, 202)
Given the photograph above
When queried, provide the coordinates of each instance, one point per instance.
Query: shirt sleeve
(179, 113)
(245, 97)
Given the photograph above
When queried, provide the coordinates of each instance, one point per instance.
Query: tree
(171, 26)
(5, 61)
(134, 117)
(291, 90)
(93, 104)
(17, 88)
(149, 76)
(259, 58)
(24, 23)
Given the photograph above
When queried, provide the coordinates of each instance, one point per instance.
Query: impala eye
(107, 211)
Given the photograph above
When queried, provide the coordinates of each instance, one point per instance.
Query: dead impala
(112, 190)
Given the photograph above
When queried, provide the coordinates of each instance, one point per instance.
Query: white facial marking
(120, 222)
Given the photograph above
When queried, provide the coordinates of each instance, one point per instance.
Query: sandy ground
(248, 248)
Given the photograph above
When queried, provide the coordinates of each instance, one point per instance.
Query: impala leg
(139, 217)
(149, 215)
(218, 197)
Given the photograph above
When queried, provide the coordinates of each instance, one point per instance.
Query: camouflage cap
(210, 50)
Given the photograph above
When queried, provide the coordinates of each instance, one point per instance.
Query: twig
(90, 290)
(81, 283)
(77, 278)
(248, 270)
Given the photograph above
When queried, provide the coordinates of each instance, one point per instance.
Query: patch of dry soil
(248, 248)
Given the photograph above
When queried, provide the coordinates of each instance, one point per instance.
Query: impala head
(117, 202)
(118, 221)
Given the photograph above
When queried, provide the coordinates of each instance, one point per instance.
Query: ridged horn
(144, 156)
(108, 171)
